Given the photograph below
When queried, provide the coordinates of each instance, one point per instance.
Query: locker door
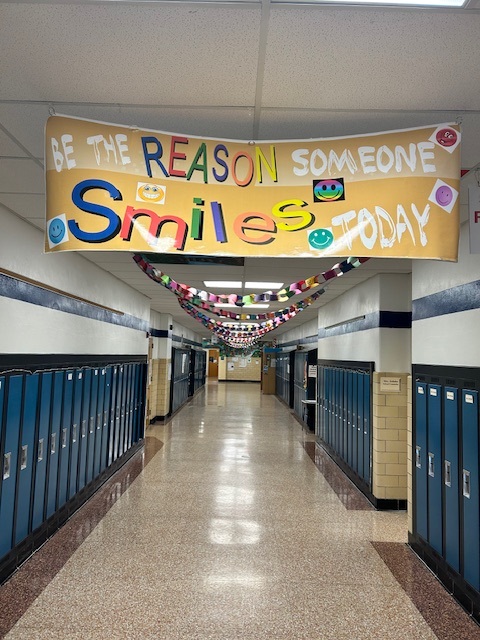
(420, 454)
(99, 422)
(471, 513)
(10, 461)
(39, 501)
(366, 429)
(76, 433)
(118, 413)
(360, 403)
(137, 400)
(328, 408)
(54, 443)
(65, 437)
(355, 377)
(83, 447)
(25, 464)
(434, 466)
(349, 418)
(113, 416)
(450, 478)
(92, 420)
(129, 410)
(106, 418)
(336, 408)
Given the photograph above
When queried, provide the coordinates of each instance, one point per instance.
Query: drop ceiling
(248, 70)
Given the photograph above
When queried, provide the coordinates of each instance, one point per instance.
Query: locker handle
(466, 483)
(431, 464)
(23, 457)
(7, 458)
(418, 459)
(90, 422)
(40, 450)
(448, 473)
(53, 443)
(64, 438)
(84, 428)
(74, 432)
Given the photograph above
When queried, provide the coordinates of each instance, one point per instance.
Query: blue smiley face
(56, 231)
(320, 238)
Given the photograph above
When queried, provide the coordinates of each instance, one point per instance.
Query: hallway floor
(230, 525)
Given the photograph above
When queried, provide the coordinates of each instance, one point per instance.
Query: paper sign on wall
(117, 188)
(390, 384)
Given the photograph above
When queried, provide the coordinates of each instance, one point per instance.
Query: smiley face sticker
(444, 196)
(447, 137)
(57, 231)
(320, 239)
(328, 190)
(151, 193)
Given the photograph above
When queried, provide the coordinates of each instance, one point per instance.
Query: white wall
(450, 339)
(389, 348)
(30, 328)
(162, 347)
(298, 333)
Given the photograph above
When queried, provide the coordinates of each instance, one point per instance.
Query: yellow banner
(114, 188)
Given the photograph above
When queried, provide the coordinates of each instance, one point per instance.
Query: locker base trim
(22, 551)
(381, 504)
(453, 582)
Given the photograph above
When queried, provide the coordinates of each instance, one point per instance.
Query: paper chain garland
(206, 300)
(192, 299)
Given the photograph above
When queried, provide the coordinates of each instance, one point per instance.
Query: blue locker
(339, 422)
(344, 443)
(106, 418)
(91, 424)
(10, 461)
(113, 416)
(25, 465)
(360, 402)
(356, 376)
(366, 430)
(76, 432)
(65, 437)
(450, 478)
(129, 409)
(420, 455)
(54, 442)
(349, 458)
(434, 467)
(471, 512)
(83, 447)
(99, 422)
(118, 413)
(43, 442)
(335, 408)
(136, 404)
(326, 391)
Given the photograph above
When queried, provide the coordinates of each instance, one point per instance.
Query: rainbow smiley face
(152, 193)
(320, 239)
(328, 190)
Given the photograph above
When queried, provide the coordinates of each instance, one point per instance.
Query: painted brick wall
(160, 388)
(251, 372)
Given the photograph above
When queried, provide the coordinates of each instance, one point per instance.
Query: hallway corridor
(225, 528)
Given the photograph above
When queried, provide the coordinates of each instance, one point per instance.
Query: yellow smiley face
(150, 193)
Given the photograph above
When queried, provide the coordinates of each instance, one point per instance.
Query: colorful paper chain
(205, 300)
(191, 299)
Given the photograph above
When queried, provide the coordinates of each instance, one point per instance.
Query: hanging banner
(114, 188)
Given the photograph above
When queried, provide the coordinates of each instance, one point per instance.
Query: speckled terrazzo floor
(225, 529)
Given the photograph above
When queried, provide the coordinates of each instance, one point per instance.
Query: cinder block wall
(389, 473)
(251, 372)
(160, 388)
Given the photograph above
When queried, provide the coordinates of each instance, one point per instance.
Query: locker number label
(420, 390)
(469, 398)
(450, 395)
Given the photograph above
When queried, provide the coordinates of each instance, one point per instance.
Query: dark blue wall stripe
(464, 297)
(160, 333)
(375, 320)
(33, 294)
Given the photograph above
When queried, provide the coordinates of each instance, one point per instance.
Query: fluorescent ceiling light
(249, 307)
(385, 3)
(223, 284)
(263, 285)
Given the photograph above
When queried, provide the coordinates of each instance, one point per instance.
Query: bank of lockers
(59, 430)
(345, 416)
(181, 367)
(446, 470)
